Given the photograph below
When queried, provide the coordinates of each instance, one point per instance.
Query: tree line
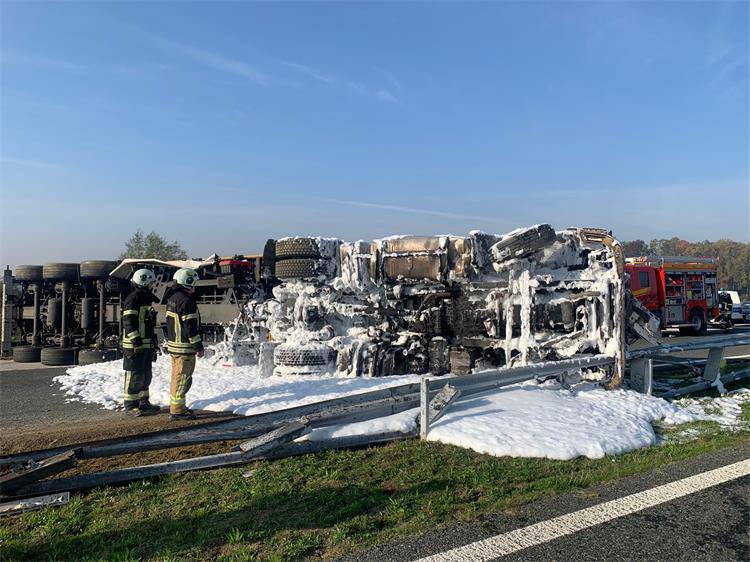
(733, 257)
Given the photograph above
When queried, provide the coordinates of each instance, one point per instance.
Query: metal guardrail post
(424, 407)
(641, 372)
(642, 375)
(711, 372)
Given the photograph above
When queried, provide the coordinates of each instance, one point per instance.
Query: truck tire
(60, 271)
(698, 322)
(316, 355)
(523, 243)
(297, 268)
(97, 269)
(58, 356)
(297, 248)
(91, 356)
(26, 354)
(28, 273)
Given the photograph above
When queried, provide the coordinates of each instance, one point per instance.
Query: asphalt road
(709, 525)
(29, 400)
(34, 411)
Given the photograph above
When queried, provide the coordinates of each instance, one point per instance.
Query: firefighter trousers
(137, 376)
(182, 378)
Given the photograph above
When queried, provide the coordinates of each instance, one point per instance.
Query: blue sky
(221, 125)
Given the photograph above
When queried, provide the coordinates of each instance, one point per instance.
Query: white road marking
(507, 543)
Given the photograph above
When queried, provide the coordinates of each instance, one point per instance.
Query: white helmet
(143, 277)
(186, 277)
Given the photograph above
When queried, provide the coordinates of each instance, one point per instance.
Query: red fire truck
(681, 291)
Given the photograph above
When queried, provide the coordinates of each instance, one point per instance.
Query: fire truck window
(643, 278)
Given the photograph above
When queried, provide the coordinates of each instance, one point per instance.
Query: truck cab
(647, 285)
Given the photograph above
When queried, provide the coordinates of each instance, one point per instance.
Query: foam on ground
(240, 390)
(525, 420)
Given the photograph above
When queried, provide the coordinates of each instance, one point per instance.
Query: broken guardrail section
(642, 364)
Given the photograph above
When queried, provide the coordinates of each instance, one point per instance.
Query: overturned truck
(437, 304)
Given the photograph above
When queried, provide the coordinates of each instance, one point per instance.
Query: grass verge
(317, 505)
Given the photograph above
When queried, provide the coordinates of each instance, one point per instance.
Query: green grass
(318, 505)
(682, 372)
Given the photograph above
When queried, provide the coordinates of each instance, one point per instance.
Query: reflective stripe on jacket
(138, 320)
(183, 324)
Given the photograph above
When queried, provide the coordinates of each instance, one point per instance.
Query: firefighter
(139, 342)
(183, 340)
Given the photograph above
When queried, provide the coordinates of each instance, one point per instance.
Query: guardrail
(642, 364)
(436, 393)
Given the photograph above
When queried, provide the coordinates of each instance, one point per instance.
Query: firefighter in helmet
(139, 342)
(183, 340)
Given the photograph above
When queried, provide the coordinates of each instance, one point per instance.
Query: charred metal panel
(414, 244)
(459, 257)
(460, 361)
(415, 267)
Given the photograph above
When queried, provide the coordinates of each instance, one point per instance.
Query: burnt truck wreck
(404, 304)
(437, 304)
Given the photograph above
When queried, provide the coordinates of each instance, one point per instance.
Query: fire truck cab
(680, 291)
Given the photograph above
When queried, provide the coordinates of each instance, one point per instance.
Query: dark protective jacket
(183, 323)
(139, 320)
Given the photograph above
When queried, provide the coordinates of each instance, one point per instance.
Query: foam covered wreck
(437, 304)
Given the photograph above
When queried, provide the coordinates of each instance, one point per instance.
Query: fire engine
(680, 291)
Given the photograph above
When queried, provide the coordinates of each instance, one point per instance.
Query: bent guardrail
(642, 364)
(430, 402)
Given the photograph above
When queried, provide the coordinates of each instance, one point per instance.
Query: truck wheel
(297, 248)
(28, 273)
(26, 354)
(297, 268)
(304, 359)
(523, 243)
(60, 271)
(698, 322)
(58, 356)
(97, 269)
(91, 356)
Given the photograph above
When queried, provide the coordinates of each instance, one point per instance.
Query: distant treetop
(152, 246)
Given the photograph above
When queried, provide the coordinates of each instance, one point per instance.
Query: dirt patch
(71, 433)
(148, 457)
(125, 426)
